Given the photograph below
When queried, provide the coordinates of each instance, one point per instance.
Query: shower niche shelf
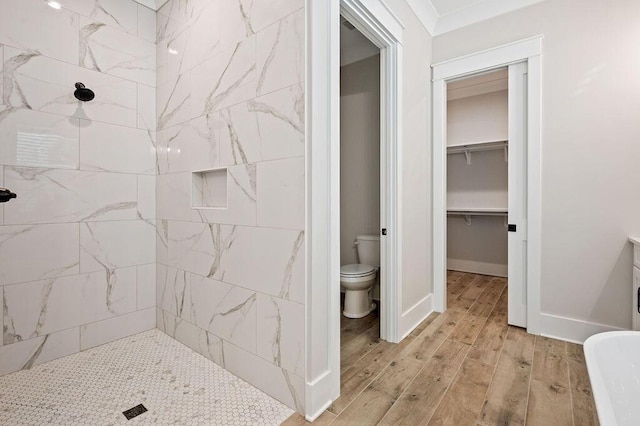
(209, 189)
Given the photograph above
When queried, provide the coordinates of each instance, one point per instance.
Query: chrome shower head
(83, 94)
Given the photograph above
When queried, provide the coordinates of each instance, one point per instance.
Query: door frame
(322, 301)
(529, 51)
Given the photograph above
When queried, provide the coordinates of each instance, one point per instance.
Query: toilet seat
(357, 270)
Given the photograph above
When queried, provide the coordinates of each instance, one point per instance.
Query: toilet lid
(357, 270)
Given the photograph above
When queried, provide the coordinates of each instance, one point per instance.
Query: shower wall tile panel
(117, 244)
(146, 286)
(230, 93)
(146, 23)
(146, 107)
(280, 53)
(78, 245)
(268, 127)
(41, 307)
(147, 196)
(36, 252)
(37, 139)
(37, 82)
(281, 198)
(26, 354)
(115, 328)
(111, 148)
(33, 26)
(106, 49)
(54, 195)
(119, 14)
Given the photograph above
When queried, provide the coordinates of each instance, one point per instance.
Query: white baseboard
(318, 397)
(474, 267)
(414, 316)
(569, 329)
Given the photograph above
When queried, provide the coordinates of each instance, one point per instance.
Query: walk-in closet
(477, 174)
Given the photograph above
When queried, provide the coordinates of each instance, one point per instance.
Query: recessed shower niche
(209, 189)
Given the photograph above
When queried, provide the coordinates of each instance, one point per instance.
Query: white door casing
(528, 52)
(322, 301)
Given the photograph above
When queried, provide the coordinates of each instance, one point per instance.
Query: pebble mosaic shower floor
(175, 384)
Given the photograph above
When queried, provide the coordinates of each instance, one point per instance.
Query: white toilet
(358, 279)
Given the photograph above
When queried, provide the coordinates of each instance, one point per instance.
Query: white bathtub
(613, 361)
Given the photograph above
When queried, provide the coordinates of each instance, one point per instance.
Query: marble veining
(280, 54)
(110, 51)
(42, 307)
(12, 88)
(226, 79)
(36, 82)
(288, 272)
(42, 262)
(173, 291)
(54, 195)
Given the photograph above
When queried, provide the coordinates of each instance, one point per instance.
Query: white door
(517, 269)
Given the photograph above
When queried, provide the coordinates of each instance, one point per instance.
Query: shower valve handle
(6, 195)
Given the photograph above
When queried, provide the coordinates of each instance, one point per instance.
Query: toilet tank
(368, 247)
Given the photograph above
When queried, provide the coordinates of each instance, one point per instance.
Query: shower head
(83, 94)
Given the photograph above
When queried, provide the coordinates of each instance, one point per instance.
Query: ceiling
(152, 4)
(441, 16)
(353, 45)
(444, 7)
(478, 84)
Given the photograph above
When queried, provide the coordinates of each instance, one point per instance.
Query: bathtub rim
(604, 406)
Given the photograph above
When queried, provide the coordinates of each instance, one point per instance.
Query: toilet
(358, 279)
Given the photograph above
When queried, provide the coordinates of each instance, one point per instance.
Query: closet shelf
(468, 148)
(475, 211)
(479, 211)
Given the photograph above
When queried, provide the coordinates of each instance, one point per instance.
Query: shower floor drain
(134, 412)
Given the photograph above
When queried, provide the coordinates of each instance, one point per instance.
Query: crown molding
(480, 11)
(471, 14)
(426, 13)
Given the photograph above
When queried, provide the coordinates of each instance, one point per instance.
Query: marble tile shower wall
(77, 247)
(231, 94)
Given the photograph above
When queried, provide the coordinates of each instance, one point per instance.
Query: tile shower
(104, 240)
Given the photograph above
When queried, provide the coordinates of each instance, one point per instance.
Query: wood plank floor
(463, 367)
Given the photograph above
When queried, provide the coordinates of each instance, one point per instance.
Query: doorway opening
(360, 195)
(478, 194)
(486, 198)
(322, 303)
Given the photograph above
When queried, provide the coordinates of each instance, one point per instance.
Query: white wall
(77, 247)
(416, 158)
(480, 118)
(590, 149)
(359, 154)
